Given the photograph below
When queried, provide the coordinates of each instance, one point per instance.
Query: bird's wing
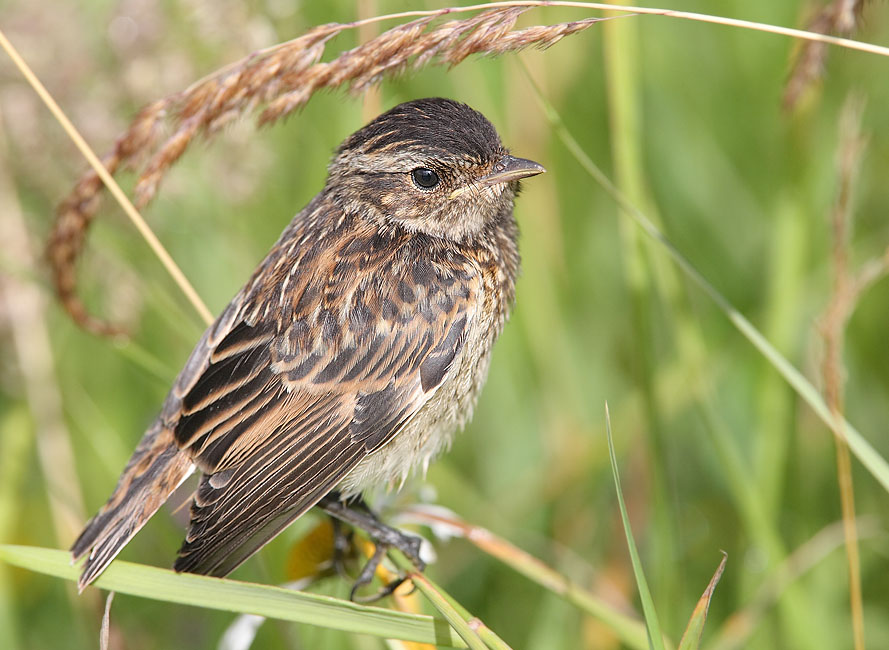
(277, 416)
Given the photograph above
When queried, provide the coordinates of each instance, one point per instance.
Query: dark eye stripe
(425, 177)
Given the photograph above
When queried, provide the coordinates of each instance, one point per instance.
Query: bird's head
(430, 165)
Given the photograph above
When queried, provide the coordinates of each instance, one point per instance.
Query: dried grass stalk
(843, 300)
(274, 82)
(840, 17)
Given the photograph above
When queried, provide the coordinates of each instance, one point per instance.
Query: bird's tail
(154, 472)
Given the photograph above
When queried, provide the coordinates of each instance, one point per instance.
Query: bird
(351, 356)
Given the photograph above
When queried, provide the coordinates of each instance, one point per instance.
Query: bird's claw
(384, 538)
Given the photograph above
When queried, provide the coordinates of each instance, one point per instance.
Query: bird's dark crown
(438, 127)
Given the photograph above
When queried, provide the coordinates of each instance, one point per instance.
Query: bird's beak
(508, 168)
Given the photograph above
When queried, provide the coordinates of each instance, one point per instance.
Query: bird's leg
(357, 514)
(342, 544)
(384, 537)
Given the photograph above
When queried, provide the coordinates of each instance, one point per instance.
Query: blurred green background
(716, 451)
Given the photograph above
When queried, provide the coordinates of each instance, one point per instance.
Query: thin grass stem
(651, 11)
(620, 44)
(119, 195)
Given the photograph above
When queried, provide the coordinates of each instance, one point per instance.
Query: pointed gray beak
(508, 168)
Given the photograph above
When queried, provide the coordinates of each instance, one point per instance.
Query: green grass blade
(242, 597)
(655, 636)
(691, 639)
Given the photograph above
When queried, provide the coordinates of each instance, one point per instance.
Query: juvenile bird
(350, 357)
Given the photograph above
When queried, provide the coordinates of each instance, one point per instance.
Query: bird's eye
(425, 177)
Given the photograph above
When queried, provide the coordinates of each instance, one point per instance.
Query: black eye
(425, 177)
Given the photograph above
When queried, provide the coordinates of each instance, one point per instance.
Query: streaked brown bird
(350, 357)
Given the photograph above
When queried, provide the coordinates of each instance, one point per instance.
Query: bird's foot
(384, 537)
